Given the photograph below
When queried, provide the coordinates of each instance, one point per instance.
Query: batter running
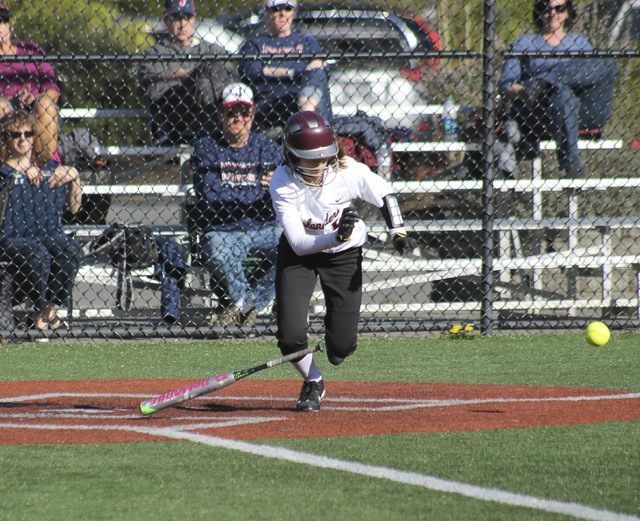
(313, 195)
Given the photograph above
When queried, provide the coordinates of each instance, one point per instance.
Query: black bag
(79, 147)
(7, 320)
(134, 244)
(129, 246)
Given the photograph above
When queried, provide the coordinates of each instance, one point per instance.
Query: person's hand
(315, 64)
(513, 90)
(34, 175)
(63, 175)
(24, 99)
(348, 220)
(403, 244)
(178, 74)
(265, 180)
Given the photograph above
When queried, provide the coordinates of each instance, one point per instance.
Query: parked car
(382, 87)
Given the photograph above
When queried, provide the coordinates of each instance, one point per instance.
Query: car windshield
(355, 34)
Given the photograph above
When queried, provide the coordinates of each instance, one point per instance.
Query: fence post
(488, 138)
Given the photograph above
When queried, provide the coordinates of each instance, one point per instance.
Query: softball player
(313, 195)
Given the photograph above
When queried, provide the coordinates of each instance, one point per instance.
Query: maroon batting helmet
(307, 135)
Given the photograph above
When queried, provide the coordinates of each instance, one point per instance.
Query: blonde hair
(14, 121)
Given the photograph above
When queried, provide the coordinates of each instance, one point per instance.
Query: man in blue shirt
(233, 209)
(283, 87)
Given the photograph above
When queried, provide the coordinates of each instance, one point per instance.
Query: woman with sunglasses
(282, 87)
(557, 96)
(43, 259)
(29, 86)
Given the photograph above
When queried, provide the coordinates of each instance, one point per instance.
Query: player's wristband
(398, 231)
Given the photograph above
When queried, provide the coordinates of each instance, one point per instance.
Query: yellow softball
(597, 334)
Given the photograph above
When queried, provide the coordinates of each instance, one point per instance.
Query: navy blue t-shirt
(227, 183)
(269, 88)
(29, 210)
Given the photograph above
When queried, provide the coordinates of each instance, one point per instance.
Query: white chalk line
(395, 404)
(576, 510)
(211, 424)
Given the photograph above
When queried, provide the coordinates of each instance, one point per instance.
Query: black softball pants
(340, 277)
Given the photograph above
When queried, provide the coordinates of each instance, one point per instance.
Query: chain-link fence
(509, 131)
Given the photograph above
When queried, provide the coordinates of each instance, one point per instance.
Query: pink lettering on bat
(172, 394)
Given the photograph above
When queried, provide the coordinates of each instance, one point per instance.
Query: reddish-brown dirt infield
(106, 411)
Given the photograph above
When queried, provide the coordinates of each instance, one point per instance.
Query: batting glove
(403, 244)
(348, 220)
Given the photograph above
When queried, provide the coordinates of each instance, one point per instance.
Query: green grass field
(595, 469)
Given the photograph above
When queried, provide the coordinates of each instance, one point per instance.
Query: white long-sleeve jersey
(310, 215)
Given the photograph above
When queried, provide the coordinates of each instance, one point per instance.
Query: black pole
(488, 138)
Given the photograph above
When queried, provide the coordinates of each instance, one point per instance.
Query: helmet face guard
(307, 135)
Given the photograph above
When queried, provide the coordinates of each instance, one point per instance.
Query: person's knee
(291, 341)
(5, 107)
(78, 257)
(46, 110)
(337, 352)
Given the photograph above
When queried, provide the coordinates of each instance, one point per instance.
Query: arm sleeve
(150, 71)
(251, 69)
(393, 217)
(310, 45)
(301, 242)
(290, 219)
(511, 72)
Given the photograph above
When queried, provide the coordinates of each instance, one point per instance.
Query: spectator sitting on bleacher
(233, 212)
(29, 86)
(283, 87)
(553, 96)
(182, 93)
(43, 260)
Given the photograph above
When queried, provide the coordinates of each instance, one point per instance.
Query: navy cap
(185, 7)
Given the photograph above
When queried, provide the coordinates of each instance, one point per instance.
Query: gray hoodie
(210, 76)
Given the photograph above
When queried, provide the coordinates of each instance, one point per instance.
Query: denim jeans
(579, 97)
(44, 268)
(223, 253)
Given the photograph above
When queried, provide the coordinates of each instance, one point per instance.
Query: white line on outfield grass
(400, 476)
(494, 495)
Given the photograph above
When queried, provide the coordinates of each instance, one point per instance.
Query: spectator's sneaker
(249, 318)
(576, 171)
(311, 395)
(229, 317)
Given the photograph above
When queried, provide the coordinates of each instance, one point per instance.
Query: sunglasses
(559, 9)
(242, 113)
(278, 8)
(18, 134)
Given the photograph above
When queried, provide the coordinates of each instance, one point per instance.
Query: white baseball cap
(269, 4)
(237, 93)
